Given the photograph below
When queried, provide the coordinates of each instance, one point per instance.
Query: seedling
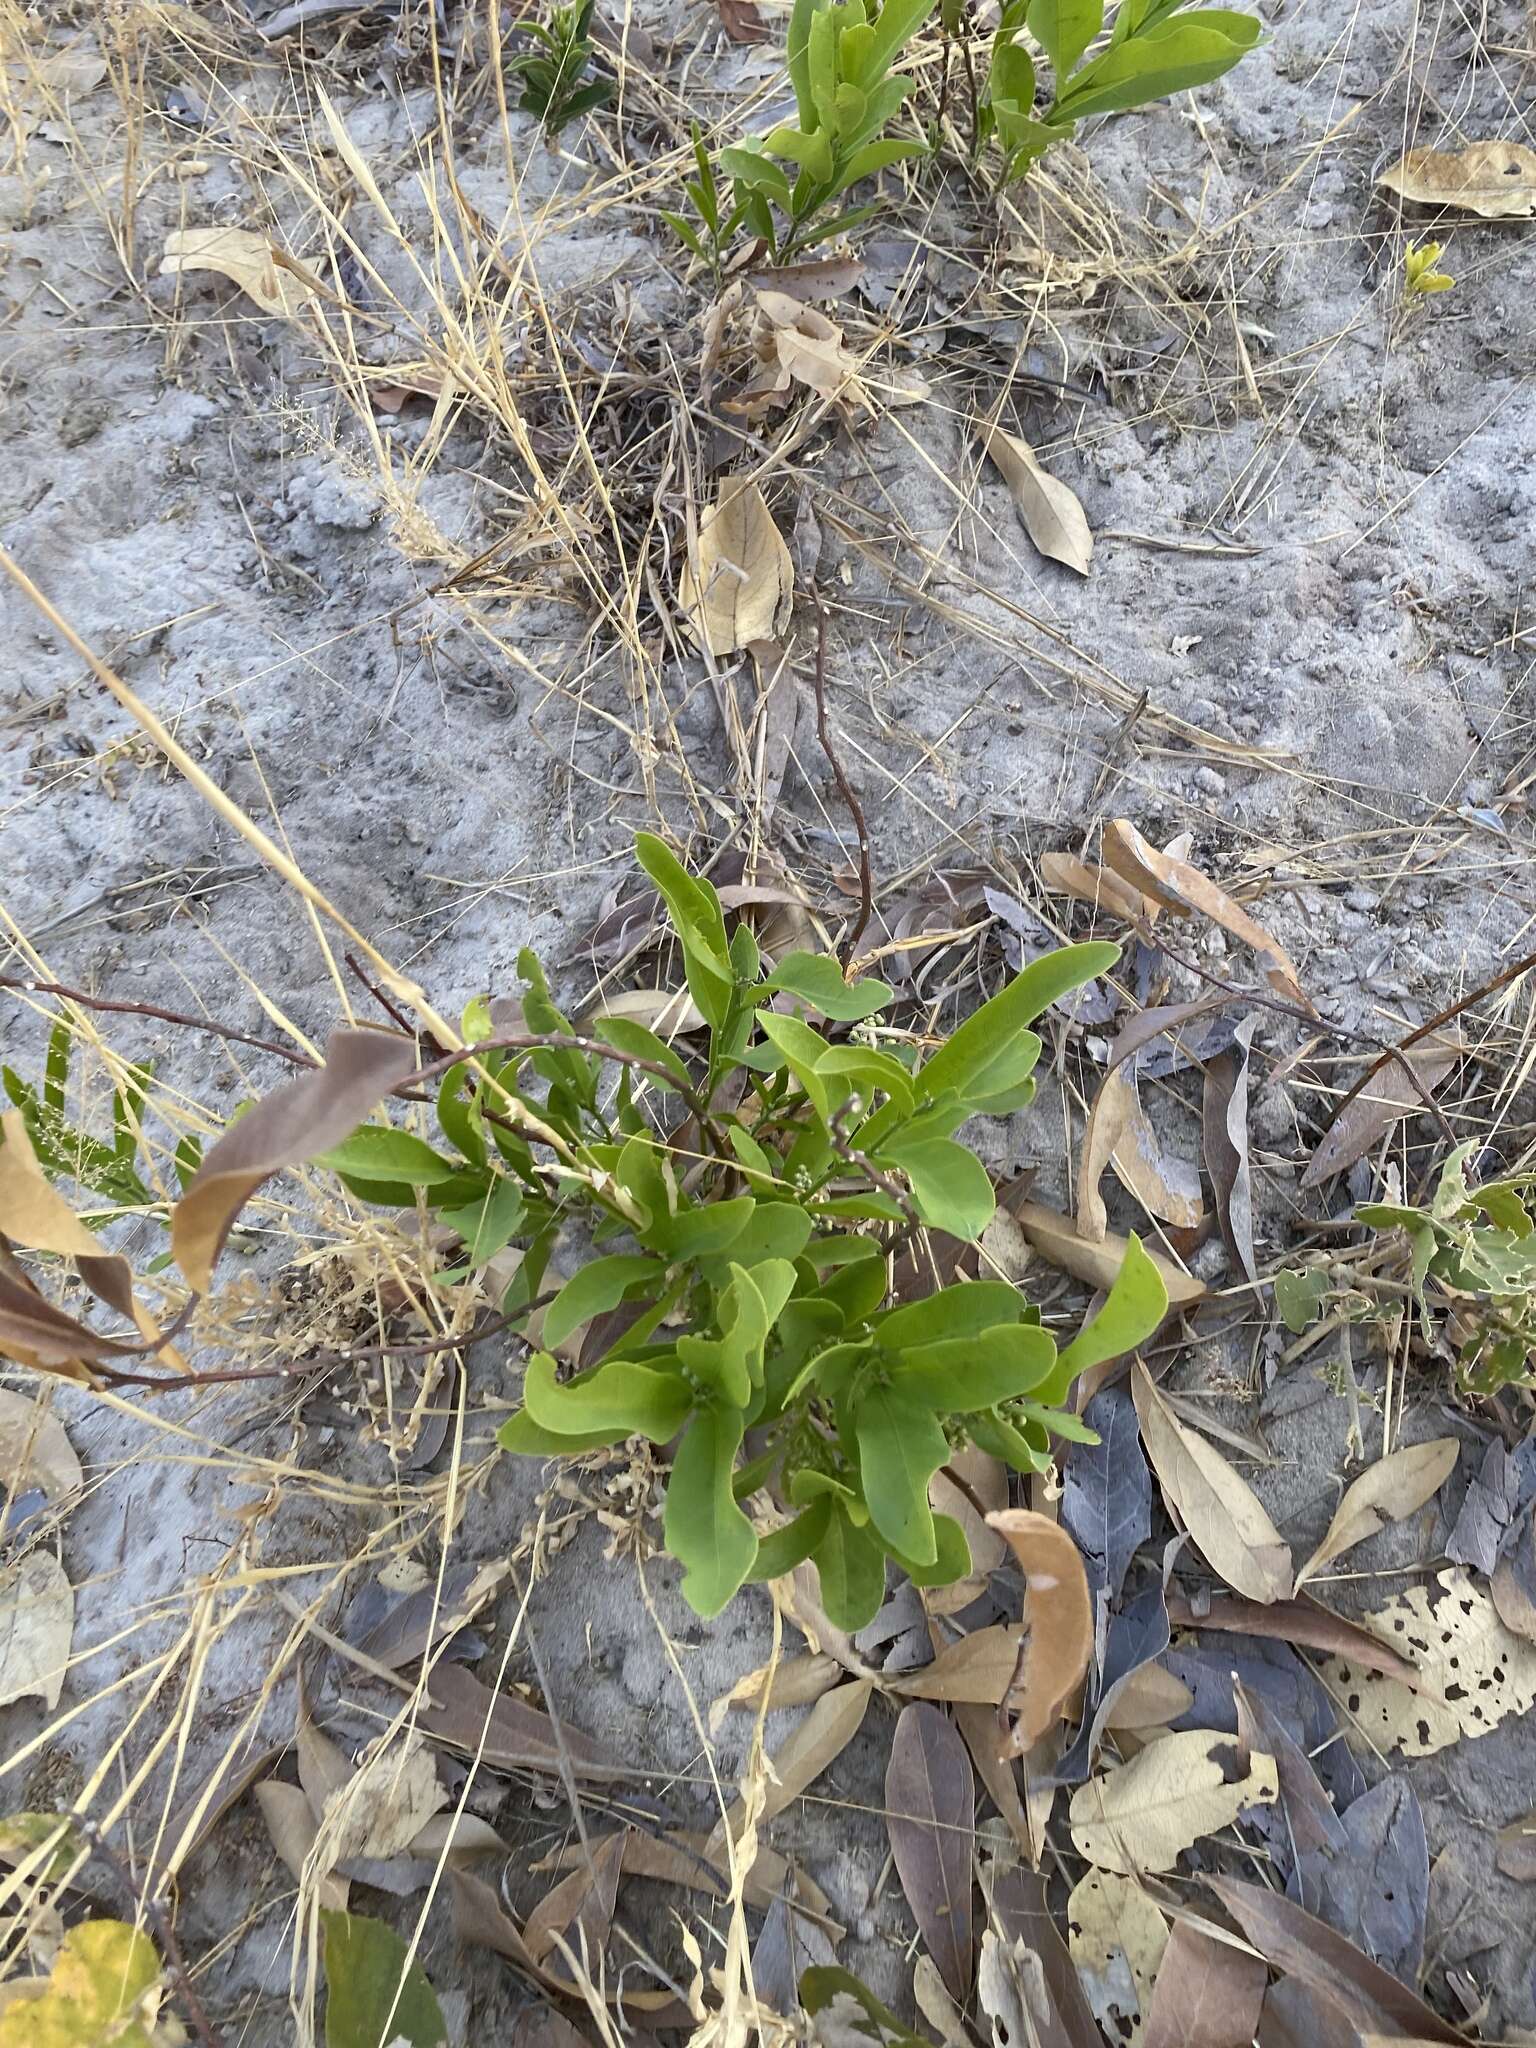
(1420, 277)
(552, 71)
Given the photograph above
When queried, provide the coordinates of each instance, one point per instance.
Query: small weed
(552, 71)
(1420, 277)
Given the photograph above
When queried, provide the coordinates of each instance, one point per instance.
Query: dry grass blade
(1495, 179)
(1051, 512)
(1391, 1490)
(930, 1798)
(1221, 1511)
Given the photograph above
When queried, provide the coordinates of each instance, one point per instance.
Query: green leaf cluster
(735, 1303)
(1154, 48)
(552, 70)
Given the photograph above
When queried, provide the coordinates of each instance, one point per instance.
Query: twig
(24, 986)
(849, 945)
(564, 1041)
(391, 1009)
(164, 1933)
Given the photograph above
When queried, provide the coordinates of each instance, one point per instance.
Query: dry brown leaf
(826, 277)
(1143, 1815)
(34, 1450)
(506, 1733)
(1222, 1513)
(1051, 513)
(741, 21)
(1179, 886)
(1058, 1623)
(936, 2005)
(1122, 1135)
(1209, 1993)
(930, 1795)
(680, 1859)
(1065, 875)
(250, 260)
(1391, 1490)
(292, 1825)
(1116, 1937)
(1057, 1238)
(987, 1480)
(800, 1594)
(585, 1900)
(670, 1012)
(457, 1838)
(293, 1123)
(737, 586)
(78, 68)
(985, 1732)
(1149, 1698)
(1385, 1102)
(1303, 1623)
(1472, 1673)
(819, 1740)
(385, 1805)
(793, 1682)
(1495, 179)
(37, 1621)
(978, 1669)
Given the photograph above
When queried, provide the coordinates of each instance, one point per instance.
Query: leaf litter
(930, 1796)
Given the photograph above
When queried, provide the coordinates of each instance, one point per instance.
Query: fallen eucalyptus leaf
(263, 272)
(37, 1622)
(1389, 1098)
(738, 584)
(1209, 1993)
(1058, 1624)
(1394, 1488)
(1051, 513)
(1116, 1937)
(1222, 1513)
(1495, 179)
(1121, 1134)
(1106, 1503)
(930, 1802)
(814, 1745)
(1057, 1238)
(580, 1907)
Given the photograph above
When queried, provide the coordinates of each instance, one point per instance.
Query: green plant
(840, 55)
(735, 1289)
(67, 1151)
(716, 221)
(1465, 1262)
(552, 71)
(1155, 47)
(1420, 277)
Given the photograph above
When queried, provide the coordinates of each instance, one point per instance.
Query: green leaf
(56, 1068)
(1300, 1297)
(812, 152)
(896, 24)
(1058, 1421)
(487, 1226)
(635, 1399)
(851, 1567)
(782, 1549)
(963, 1310)
(797, 56)
(857, 1287)
(1011, 78)
(868, 162)
(595, 1288)
(520, 1433)
(819, 1986)
(376, 1153)
(710, 1227)
(950, 1186)
(23, 1833)
(1186, 50)
(998, 1436)
(700, 926)
(953, 1559)
(376, 1995)
(981, 1058)
(704, 1528)
(760, 174)
(901, 1446)
(778, 1230)
(102, 1972)
(733, 1362)
(1064, 29)
(818, 980)
(628, 1036)
(960, 1374)
(1133, 1309)
(803, 1049)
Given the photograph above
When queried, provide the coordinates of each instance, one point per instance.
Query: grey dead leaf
(789, 1944)
(35, 1452)
(1303, 1947)
(737, 585)
(1224, 1132)
(266, 274)
(811, 1748)
(1209, 1994)
(1106, 1503)
(291, 1823)
(930, 1802)
(1386, 1101)
(1050, 511)
(506, 1733)
(1143, 1815)
(1515, 1850)
(77, 68)
(380, 1811)
(1116, 1936)
(827, 278)
(936, 2005)
(1308, 1827)
(1178, 885)
(1057, 1238)
(37, 1622)
(1372, 1884)
(1390, 1491)
(1222, 1513)
(1121, 1134)
(303, 1117)
(581, 1905)
(1496, 179)
(397, 1630)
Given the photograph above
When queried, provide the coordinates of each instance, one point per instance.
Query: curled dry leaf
(1050, 511)
(1058, 1623)
(737, 586)
(1472, 1673)
(930, 1802)
(1143, 1815)
(37, 1621)
(581, 1906)
(792, 1682)
(1224, 1133)
(1391, 1490)
(985, 1480)
(1179, 886)
(1121, 1134)
(1302, 1623)
(1116, 1937)
(1209, 1993)
(1389, 1098)
(817, 1742)
(1222, 1513)
(265, 273)
(1495, 179)
(303, 1117)
(670, 1012)
(1065, 875)
(1056, 1237)
(291, 1823)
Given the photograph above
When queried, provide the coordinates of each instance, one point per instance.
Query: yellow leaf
(37, 1620)
(1494, 179)
(104, 1989)
(1392, 1489)
(1221, 1511)
(1116, 1936)
(1143, 1815)
(737, 587)
(250, 260)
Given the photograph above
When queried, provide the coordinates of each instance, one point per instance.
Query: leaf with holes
(1144, 1814)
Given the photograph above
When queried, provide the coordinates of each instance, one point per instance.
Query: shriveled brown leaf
(1144, 1814)
(384, 1806)
(814, 1745)
(1179, 886)
(827, 277)
(1123, 1135)
(1391, 1490)
(741, 21)
(984, 1730)
(580, 1906)
(1386, 1101)
(35, 1215)
(985, 1480)
(291, 1823)
(930, 1806)
(1300, 1945)
(1050, 510)
(37, 1621)
(979, 1668)
(35, 1333)
(506, 1733)
(1224, 1137)
(737, 586)
(1221, 1511)
(1057, 1238)
(685, 1858)
(1209, 1994)
(253, 261)
(1065, 875)
(481, 1921)
(801, 1595)
(1053, 1993)
(1150, 1698)
(1496, 179)
(303, 1117)
(1058, 1623)
(793, 1682)
(1302, 1623)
